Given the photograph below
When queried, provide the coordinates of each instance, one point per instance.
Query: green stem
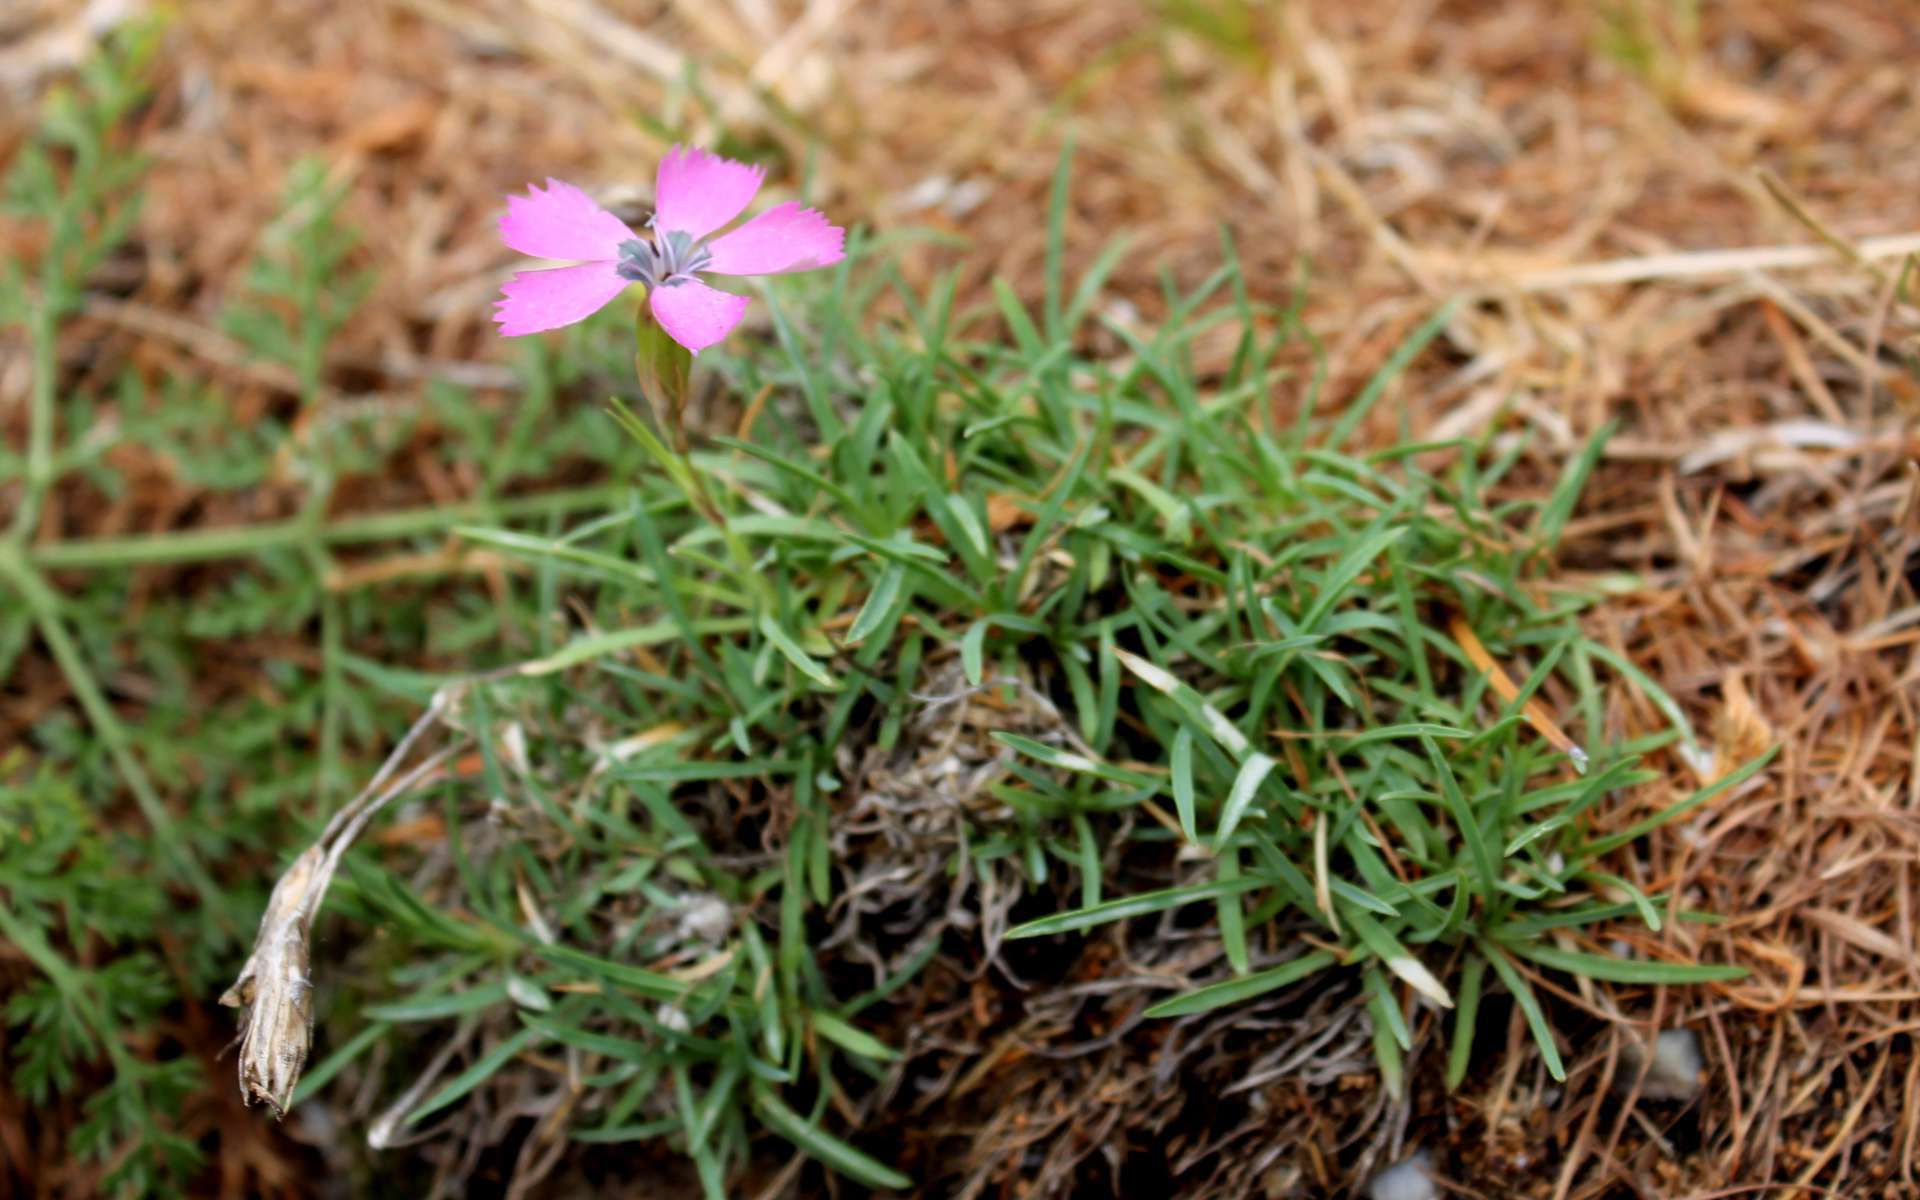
(45, 607)
(332, 779)
(703, 502)
(199, 545)
(40, 331)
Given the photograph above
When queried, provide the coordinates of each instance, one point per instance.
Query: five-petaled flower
(695, 194)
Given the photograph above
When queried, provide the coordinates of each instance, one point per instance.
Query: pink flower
(695, 194)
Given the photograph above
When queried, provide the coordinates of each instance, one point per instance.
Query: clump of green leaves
(1247, 624)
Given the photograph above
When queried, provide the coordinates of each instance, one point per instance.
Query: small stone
(1675, 1071)
(673, 1017)
(706, 918)
(1409, 1179)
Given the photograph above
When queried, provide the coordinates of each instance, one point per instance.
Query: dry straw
(276, 985)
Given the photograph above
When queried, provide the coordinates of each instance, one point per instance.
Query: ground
(1683, 221)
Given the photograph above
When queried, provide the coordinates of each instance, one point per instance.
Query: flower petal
(786, 237)
(561, 222)
(694, 314)
(533, 301)
(696, 192)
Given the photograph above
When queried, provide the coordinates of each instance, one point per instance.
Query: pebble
(1408, 1179)
(706, 918)
(1675, 1071)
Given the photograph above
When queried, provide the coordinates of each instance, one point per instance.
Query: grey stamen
(670, 258)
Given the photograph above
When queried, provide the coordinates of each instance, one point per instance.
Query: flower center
(669, 259)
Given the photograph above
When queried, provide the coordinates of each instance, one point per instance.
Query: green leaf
(1245, 785)
(1552, 518)
(1182, 771)
(1235, 991)
(822, 1145)
(475, 1075)
(851, 1038)
(1067, 760)
(320, 1076)
(879, 604)
(1385, 1008)
(620, 1049)
(600, 645)
(1396, 957)
(1624, 970)
(1485, 876)
(1640, 829)
(791, 650)
(1053, 265)
(1355, 559)
(1135, 906)
(972, 652)
(1466, 1015)
(1231, 918)
(1390, 370)
(1522, 992)
(435, 1008)
(647, 983)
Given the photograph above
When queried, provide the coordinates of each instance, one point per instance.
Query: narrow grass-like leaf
(1554, 514)
(620, 1049)
(435, 1008)
(1181, 768)
(1246, 784)
(1485, 876)
(1642, 903)
(817, 1142)
(318, 1077)
(648, 983)
(1386, 1048)
(600, 645)
(1246, 987)
(1232, 918)
(973, 652)
(627, 1133)
(1656, 694)
(1135, 906)
(1641, 828)
(851, 1038)
(1357, 558)
(1053, 265)
(1067, 760)
(1396, 957)
(1466, 1016)
(879, 604)
(792, 651)
(483, 1069)
(1390, 370)
(1385, 1006)
(1624, 970)
(1522, 992)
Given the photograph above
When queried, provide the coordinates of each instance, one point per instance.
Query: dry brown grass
(1764, 485)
